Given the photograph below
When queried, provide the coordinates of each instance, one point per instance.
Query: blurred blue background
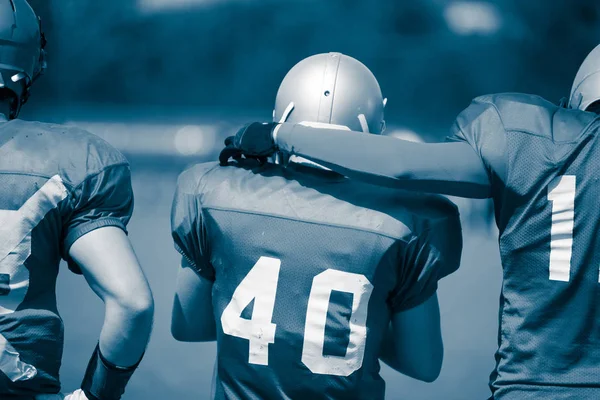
(166, 80)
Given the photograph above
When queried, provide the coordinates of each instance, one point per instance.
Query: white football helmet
(332, 89)
(586, 87)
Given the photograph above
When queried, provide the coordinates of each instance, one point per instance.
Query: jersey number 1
(561, 193)
(260, 285)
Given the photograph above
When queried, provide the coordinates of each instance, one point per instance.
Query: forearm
(446, 168)
(424, 367)
(193, 318)
(126, 331)
(192, 326)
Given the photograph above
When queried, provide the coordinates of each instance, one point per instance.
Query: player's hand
(254, 140)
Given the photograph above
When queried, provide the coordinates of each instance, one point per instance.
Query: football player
(537, 161)
(65, 194)
(304, 277)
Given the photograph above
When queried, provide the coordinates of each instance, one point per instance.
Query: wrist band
(104, 380)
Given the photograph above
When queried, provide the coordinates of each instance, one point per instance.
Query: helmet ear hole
(7, 96)
(594, 107)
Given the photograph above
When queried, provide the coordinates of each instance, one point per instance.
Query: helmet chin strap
(287, 112)
(364, 125)
(279, 157)
(576, 100)
(284, 159)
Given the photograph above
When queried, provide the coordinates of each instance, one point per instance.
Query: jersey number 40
(260, 285)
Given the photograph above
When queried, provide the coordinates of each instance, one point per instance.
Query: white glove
(76, 395)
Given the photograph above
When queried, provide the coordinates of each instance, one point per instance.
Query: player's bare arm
(78, 210)
(111, 268)
(413, 344)
(193, 318)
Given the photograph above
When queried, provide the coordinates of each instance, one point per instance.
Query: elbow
(143, 307)
(430, 370)
(429, 375)
(187, 331)
(138, 308)
(425, 367)
(143, 313)
(402, 174)
(425, 373)
(180, 334)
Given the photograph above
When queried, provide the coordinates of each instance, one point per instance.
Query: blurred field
(172, 370)
(431, 57)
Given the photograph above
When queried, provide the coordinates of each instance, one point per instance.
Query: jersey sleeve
(480, 125)
(427, 258)
(444, 168)
(187, 227)
(102, 199)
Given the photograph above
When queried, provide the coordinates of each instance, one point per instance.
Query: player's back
(547, 213)
(308, 268)
(44, 171)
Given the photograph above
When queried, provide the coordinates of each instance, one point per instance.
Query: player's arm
(193, 318)
(413, 344)
(111, 268)
(466, 166)
(452, 168)
(97, 246)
